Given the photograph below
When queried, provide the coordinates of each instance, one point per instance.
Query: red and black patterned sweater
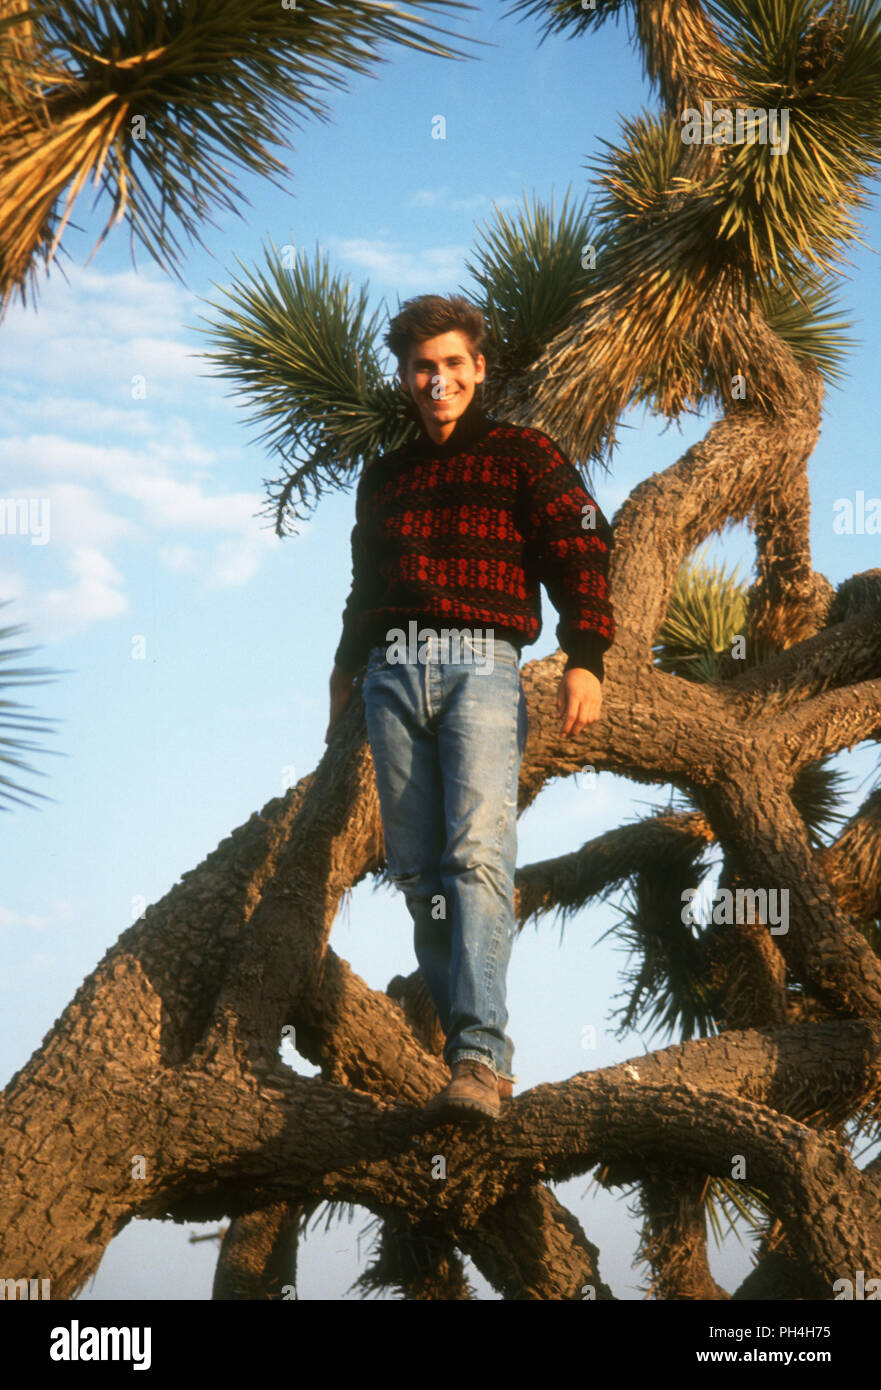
(460, 535)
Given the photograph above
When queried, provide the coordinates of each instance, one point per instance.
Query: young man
(453, 534)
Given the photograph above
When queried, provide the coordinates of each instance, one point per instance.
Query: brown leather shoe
(474, 1089)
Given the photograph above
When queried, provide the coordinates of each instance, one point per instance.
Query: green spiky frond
(164, 106)
(636, 179)
(665, 984)
(706, 610)
(794, 213)
(562, 16)
(531, 269)
(729, 1198)
(634, 174)
(810, 325)
(303, 350)
(13, 721)
(819, 61)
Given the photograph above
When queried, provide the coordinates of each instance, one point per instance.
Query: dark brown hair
(427, 316)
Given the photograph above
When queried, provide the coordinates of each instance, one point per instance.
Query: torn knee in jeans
(425, 887)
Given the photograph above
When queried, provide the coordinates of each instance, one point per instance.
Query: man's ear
(402, 382)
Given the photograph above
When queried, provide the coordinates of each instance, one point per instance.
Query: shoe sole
(441, 1108)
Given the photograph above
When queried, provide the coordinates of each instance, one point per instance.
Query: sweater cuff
(585, 651)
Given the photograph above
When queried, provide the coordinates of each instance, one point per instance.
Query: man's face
(441, 376)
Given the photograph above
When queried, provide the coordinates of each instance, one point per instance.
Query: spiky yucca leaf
(817, 794)
(329, 1212)
(161, 104)
(413, 1260)
(707, 608)
(13, 721)
(729, 1198)
(306, 355)
(665, 986)
(531, 270)
(561, 16)
(635, 173)
(822, 65)
(635, 178)
(810, 326)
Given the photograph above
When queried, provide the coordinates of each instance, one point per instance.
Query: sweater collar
(471, 425)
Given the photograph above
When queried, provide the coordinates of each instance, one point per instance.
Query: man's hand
(578, 700)
(341, 687)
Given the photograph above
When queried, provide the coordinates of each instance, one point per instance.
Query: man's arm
(341, 687)
(571, 541)
(349, 656)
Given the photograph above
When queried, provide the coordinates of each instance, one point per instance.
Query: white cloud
(95, 595)
(75, 414)
(168, 502)
(78, 516)
(235, 562)
(12, 586)
(230, 563)
(42, 961)
(118, 471)
(404, 267)
(181, 559)
(118, 302)
(442, 198)
(61, 915)
(116, 465)
(98, 329)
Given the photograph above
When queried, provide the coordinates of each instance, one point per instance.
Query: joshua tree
(702, 276)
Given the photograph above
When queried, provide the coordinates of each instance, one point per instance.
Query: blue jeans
(447, 739)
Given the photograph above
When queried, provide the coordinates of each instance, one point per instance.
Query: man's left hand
(579, 699)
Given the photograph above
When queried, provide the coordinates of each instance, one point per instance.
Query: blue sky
(197, 647)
